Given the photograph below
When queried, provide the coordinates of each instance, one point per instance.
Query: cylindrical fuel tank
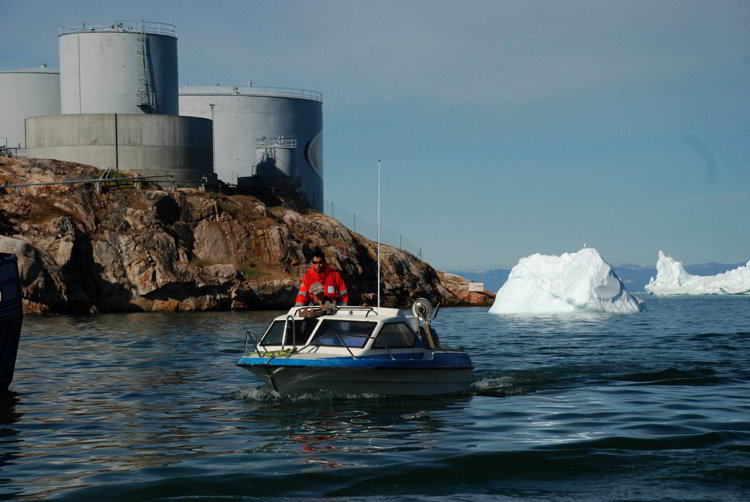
(243, 116)
(118, 67)
(26, 93)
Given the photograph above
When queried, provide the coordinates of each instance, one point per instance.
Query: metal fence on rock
(364, 226)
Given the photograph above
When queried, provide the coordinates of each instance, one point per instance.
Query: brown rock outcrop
(458, 294)
(152, 249)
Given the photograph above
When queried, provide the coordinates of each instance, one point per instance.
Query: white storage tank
(26, 93)
(118, 67)
(245, 117)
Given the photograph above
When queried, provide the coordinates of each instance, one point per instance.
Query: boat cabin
(364, 328)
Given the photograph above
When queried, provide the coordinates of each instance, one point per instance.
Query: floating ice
(573, 282)
(671, 279)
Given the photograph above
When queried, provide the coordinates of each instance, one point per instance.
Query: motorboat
(349, 350)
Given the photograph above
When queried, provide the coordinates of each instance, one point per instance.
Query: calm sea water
(648, 406)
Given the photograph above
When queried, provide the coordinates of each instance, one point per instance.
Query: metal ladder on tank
(146, 96)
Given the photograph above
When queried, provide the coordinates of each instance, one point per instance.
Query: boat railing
(387, 349)
(289, 317)
(367, 310)
(346, 346)
(251, 339)
(334, 309)
(338, 335)
(310, 345)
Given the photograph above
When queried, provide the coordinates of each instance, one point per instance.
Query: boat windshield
(297, 334)
(337, 333)
(395, 335)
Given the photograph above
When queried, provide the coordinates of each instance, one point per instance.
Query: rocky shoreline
(154, 249)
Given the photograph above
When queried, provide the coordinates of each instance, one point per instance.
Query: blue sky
(505, 128)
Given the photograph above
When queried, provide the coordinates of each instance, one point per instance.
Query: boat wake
(495, 386)
(675, 376)
(266, 394)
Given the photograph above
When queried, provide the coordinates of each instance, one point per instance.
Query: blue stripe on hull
(446, 360)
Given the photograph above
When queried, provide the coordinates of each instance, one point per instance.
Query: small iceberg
(573, 282)
(671, 279)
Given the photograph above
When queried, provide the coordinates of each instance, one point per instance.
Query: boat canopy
(349, 327)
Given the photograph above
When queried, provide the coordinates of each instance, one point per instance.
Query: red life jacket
(334, 288)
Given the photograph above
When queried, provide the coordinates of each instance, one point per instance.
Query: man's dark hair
(319, 254)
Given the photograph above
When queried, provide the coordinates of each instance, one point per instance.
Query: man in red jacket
(334, 289)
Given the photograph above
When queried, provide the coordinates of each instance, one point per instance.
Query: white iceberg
(573, 282)
(671, 279)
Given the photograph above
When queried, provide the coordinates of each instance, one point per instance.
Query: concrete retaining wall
(147, 144)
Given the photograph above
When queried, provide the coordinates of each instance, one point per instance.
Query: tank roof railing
(120, 26)
(251, 90)
(280, 142)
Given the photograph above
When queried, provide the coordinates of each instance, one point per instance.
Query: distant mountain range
(635, 277)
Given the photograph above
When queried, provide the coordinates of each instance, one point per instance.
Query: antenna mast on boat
(378, 233)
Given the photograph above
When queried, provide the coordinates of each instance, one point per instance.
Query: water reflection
(331, 432)
(10, 441)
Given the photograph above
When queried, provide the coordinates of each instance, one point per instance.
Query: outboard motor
(11, 317)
